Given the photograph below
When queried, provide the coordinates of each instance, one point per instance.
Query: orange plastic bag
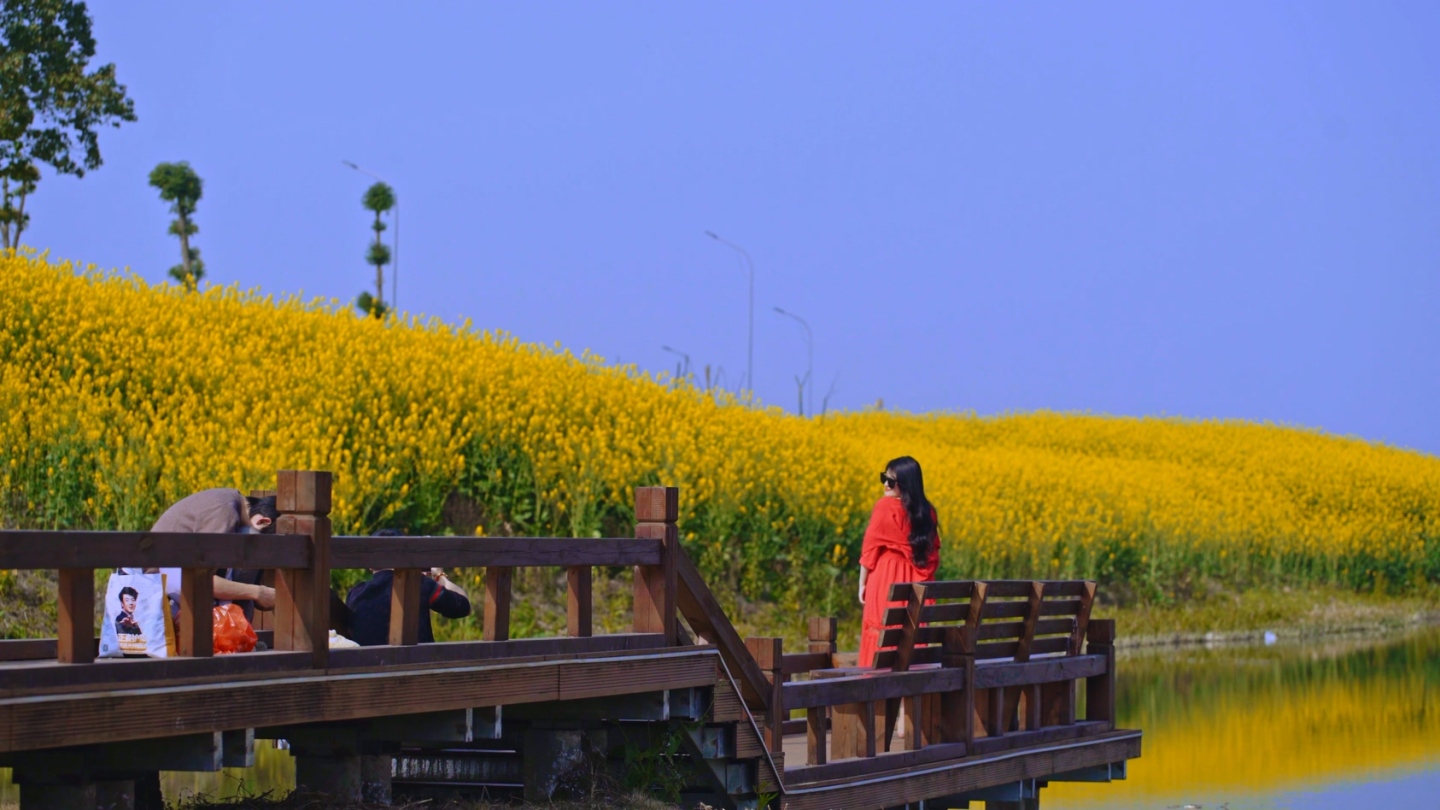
(233, 633)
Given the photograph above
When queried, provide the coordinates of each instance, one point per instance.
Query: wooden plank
(1018, 609)
(885, 659)
(935, 590)
(695, 600)
(464, 651)
(1026, 739)
(405, 607)
(579, 601)
(1057, 703)
(497, 603)
(74, 719)
(1044, 670)
(100, 550)
(76, 616)
(877, 686)
(43, 649)
(1021, 587)
(487, 552)
(935, 634)
(798, 663)
(727, 706)
(48, 677)
(914, 784)
(197, 613)
(880, 763)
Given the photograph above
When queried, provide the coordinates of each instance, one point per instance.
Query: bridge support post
(337, 776)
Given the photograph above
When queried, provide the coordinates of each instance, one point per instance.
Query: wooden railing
(979, 667)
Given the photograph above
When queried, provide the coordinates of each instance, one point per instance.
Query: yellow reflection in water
(1241, 722)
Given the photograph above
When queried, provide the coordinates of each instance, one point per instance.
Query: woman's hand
(862, 594)
(864, 574)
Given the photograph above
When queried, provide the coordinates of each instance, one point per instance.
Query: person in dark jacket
(369, 605)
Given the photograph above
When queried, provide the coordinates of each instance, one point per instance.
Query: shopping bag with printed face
(137, 617)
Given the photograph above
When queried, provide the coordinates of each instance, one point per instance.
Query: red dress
(886, 553)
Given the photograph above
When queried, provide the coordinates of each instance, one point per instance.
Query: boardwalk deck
(501, 712)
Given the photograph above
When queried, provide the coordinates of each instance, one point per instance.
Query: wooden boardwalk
(987, 675)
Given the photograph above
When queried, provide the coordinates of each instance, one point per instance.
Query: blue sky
(1219, 210)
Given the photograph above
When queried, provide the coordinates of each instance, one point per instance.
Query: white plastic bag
(137, 617)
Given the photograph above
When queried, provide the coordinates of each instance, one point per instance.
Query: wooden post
(580, 601)
(657, 509)
(497, 603)
(197, 613)
(76, 616)
(1100, 689)
(302, 595)
(957, 709)
(823, 632)
(904, 651)
(769, 653)
(405, 606)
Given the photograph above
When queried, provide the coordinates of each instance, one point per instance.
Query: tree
(379, 198)
(50, 106)
(181, 187)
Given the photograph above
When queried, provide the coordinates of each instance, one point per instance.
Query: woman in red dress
(902, 544)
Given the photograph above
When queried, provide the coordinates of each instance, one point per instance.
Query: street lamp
(810, 358)
(686, 373)
(750, 341)
(394, 265)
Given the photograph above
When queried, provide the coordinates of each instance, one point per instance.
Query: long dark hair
(922, 515)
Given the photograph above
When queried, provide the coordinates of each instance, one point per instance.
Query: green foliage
(180, 186)
(378, 255)
(50, 105)
(379, 198)
(371, 306)
(657, 770)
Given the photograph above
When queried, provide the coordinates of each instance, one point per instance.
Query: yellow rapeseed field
(118, 397)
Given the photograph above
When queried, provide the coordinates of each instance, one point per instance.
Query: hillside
(118, 397)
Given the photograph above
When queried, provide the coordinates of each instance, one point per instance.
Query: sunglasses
(889, 480)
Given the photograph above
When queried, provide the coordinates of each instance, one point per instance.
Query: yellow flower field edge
(118, 397)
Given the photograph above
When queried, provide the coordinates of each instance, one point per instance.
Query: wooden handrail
(34, 550)
(483, 552)
(699, 607)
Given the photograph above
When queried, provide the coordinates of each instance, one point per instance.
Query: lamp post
(686, 373)
(809, 355)
(394, 265)
(750, 340)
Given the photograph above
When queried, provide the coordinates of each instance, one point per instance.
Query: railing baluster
(77, 616)
(580, 604)
(197, 617)
(497, 603)
(405, 607)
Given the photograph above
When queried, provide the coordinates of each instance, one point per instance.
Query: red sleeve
(886, 529)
